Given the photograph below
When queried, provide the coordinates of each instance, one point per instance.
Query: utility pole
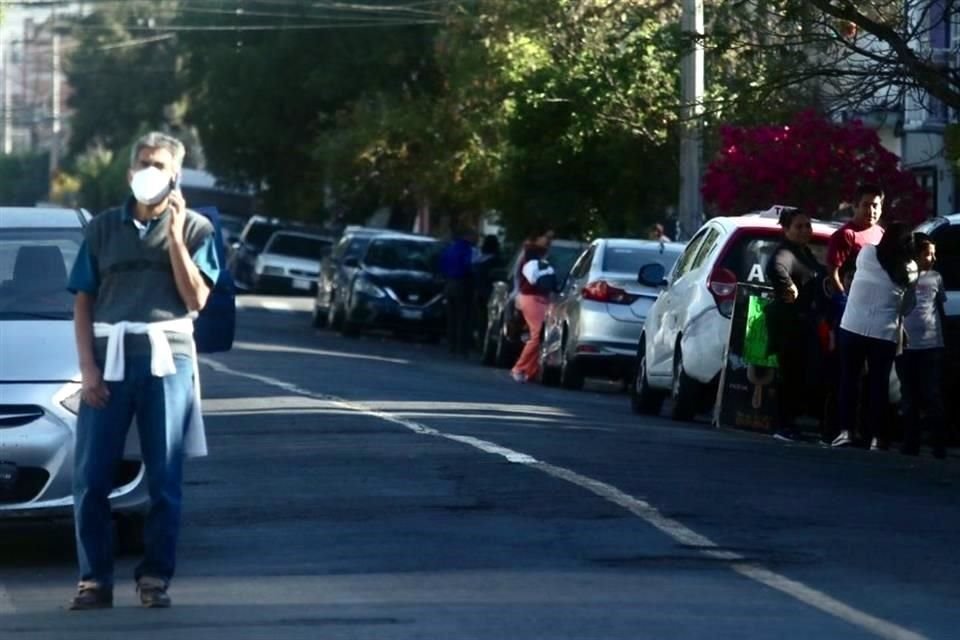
(54, 93)
(690, 211)
(7, 99)
(5, 85)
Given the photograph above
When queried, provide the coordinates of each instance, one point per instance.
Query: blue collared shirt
(84, 276)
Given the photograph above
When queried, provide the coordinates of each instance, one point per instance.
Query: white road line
(640, 508)
(6, 602)
(273, 305)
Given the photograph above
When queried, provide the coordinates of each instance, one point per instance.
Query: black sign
(746, 397)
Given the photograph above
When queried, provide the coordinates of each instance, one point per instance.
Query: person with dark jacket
(797, 278)
(484, 270)
(456, 264)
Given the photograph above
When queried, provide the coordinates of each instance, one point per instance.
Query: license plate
(411, 314)
(8, 476)
(300, 283)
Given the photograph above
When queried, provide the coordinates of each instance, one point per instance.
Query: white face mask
(150, 185)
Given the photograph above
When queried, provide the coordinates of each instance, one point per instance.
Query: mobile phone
(175, 183)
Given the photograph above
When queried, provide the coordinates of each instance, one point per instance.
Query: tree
(846, 56)
(263, 102)
(810, 163)
(122, 82)
(576, 104)
(23, 178)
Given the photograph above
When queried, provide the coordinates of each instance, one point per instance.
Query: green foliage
(575, 104)
(103, 177)
(119, 89)
(23, 179)
(265, 106)
(951, 144)
(558, 112)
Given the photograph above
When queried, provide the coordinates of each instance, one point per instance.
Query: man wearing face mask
(143, 272)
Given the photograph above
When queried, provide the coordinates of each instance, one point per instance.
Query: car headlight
(361, 285)
(72, 402)
(68, 397)
(261, 268)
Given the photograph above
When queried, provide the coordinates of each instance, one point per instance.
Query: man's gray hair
(157, 140)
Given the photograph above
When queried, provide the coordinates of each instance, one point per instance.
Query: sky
(13, 23)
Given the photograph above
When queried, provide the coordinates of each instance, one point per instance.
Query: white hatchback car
(681, 349)
(290, 262)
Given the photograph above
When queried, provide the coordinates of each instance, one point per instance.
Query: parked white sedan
(40, 375)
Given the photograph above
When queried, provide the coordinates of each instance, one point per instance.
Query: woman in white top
(870, 330)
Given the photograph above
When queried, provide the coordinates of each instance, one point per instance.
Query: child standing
(920, 366)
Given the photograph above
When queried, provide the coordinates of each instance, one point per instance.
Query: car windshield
(259, 233)
(298, 246)
(403, 255)
(632, 259)
(356, 248)
(34, 264)
(749, 256)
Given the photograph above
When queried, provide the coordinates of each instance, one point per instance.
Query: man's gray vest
(136, 276)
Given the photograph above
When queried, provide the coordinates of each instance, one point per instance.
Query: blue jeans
(161, 405)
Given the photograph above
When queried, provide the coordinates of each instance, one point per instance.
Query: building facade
(35, 95)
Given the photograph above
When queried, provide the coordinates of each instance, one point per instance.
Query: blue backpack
(214, 328)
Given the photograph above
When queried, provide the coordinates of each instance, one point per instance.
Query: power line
(267, 27)
(322, 15)
(426, 8)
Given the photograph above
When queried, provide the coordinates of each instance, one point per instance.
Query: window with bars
(940, 34)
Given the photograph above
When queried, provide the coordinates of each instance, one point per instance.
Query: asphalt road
(370, 488)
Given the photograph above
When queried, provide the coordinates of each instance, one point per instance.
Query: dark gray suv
(336, 272)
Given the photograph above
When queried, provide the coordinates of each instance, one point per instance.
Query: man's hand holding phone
(178, 209)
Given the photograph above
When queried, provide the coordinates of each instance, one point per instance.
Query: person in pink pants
(535, 279)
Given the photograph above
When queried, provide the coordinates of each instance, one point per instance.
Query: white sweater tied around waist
(161, 365)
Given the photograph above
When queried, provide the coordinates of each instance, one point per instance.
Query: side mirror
(652, 275)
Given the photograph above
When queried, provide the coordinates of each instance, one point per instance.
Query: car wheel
(684, 392)
(488, 350)
(334, 317)
(549, 376)
(348, 327)
(644, 400)
(319, 317)
(130, 533)
(501, 357)
(571, 377)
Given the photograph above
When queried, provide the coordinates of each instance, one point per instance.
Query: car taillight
(603, 291)
(723, 285)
